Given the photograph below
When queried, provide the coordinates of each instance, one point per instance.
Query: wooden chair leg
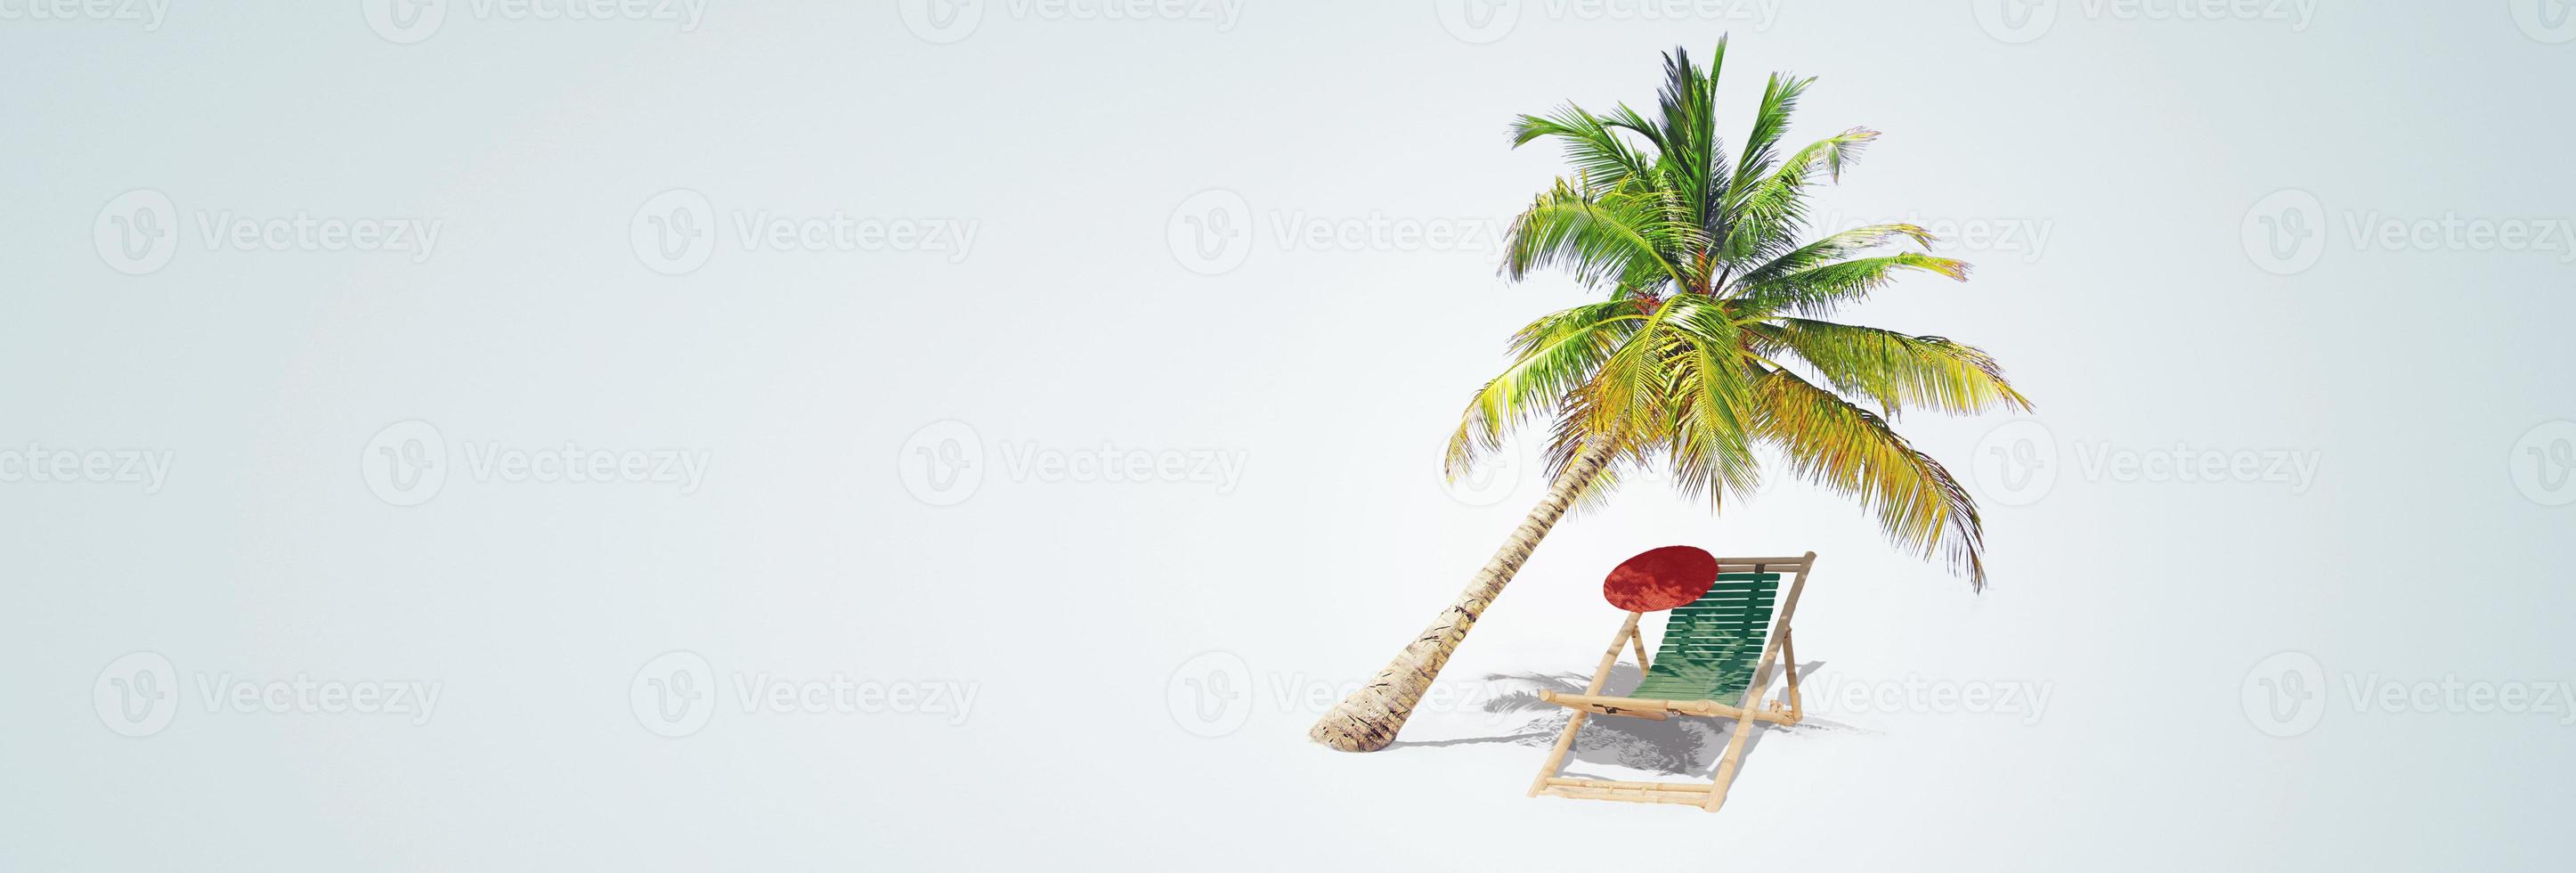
(1752, 694)
(1726, 766)
(1789, 652)
(1574, 722)
(1556, 756)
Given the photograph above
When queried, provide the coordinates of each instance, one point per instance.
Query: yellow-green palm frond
(1551, 357)
(1571, 435)
(1770, 124)
(1626, 118)
(1843, 447)
(1707, 439)
(1895, 370)
(1770, 212)
(1820, 290)
(1833, 247)
(1692, 160)
(1710, 295)
(1591, 144)
(1622, 400)
(1600, 237)
(1675, 392)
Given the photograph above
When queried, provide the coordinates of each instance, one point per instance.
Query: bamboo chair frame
(1745, 712)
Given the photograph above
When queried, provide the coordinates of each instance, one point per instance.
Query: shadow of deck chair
(1708, 657)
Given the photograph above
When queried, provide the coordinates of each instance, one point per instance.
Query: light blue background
(2136, 143)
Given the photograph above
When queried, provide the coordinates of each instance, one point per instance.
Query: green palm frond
(1772, 210)
(1552, 357)
(1898, 371)
(1599, 237)
(1710, 286)
(1694, 162)
(1770, 124)
(1822, 289)
(1831, 248)
(1627, 119)
(1709, 389)
(1591, 145)
(1844, 448)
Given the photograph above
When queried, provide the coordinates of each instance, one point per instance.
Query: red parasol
(1660, 579)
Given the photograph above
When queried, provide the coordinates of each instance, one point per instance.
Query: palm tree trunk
(1368, 720)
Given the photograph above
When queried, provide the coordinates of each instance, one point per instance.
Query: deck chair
(1708, 658)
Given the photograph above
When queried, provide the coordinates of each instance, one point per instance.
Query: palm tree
(1711, 342)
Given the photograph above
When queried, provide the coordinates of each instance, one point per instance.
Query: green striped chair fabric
(1710, 645)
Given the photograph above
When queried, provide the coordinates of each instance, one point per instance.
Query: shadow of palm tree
(1676, 746)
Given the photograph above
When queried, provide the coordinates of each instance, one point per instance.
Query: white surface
(1077, 611)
